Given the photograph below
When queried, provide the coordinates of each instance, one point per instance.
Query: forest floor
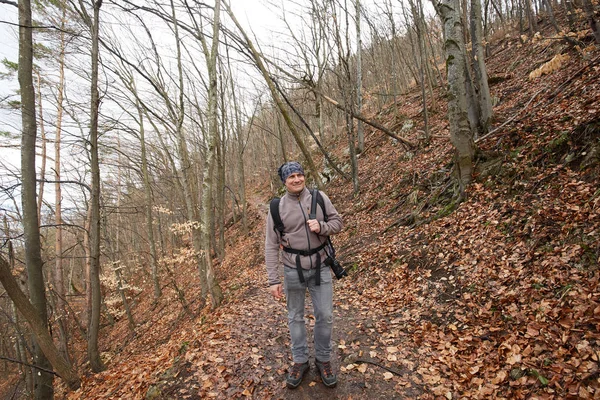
(495, 297)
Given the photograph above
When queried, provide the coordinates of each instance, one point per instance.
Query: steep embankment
(496, 296)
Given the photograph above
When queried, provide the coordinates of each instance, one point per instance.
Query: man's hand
(276, 290)
(314, 225)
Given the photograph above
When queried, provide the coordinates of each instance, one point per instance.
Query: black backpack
(278, 226)
(316, 199)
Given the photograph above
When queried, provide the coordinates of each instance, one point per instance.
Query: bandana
(288, 169)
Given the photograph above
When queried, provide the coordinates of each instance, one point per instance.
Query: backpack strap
(317, 199)
(277, 222)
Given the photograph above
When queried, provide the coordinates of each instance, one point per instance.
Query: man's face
(295, 183)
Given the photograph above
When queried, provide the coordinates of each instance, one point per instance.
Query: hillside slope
(494, 297)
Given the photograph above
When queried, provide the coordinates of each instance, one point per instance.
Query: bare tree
(43, 388)
(360, 134)
(93, 24)
(210, 54)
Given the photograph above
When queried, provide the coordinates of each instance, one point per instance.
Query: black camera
(336, 267)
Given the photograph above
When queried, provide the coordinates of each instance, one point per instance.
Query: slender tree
(360, 134)
(186, 167)
(210, 55)
(58, 275)
(43, 388)
(93, 24)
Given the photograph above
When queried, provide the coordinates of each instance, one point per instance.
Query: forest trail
(496, 296)
(256, 326)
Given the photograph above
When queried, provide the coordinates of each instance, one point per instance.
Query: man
(304, 245)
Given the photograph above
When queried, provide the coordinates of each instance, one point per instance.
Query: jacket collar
(297, 196)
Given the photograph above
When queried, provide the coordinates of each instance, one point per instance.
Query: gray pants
(322, 299)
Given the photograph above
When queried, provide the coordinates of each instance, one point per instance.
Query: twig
(28, 365)
(393, 371)
(493, 131)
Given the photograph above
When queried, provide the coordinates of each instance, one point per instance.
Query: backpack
(278, 226)
(274, 207)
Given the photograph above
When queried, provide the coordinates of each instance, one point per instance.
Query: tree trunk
(360, 134)
(550, 10)
(20, 341)
(531, 18)
(116, 258)
(416, 11)
(483, 89)
(58, 275)
(40, 331)
(240, 152)
(460, 131)
(40, 196)
(94, 326)
(33, 259)
(148, 198)
(588, 7)
(216, 293)
(186, 169)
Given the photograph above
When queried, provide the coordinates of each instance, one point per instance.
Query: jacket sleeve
(334, 222)
(271, 251)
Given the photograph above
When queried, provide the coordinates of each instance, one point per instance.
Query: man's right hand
(276, 290)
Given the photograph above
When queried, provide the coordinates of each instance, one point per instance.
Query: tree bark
(216, 293)
(94, 326)
(483, 89)
(43, 388)
(460, 130)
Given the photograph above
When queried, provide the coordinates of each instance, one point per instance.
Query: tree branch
(24, 363)
(10, 3)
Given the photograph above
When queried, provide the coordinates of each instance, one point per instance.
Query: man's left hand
(314, 225)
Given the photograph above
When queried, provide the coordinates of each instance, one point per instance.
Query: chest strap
(306, 253)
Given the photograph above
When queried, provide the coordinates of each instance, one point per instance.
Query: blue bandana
(288, 169)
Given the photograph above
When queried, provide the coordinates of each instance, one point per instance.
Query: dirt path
(360, 333)
(264, 338)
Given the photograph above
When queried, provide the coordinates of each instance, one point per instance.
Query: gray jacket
(294, 210)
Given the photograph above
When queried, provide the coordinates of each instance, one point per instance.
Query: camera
(336, 267)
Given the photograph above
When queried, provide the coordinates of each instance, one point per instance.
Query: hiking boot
(294, 377)
(327, 376)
